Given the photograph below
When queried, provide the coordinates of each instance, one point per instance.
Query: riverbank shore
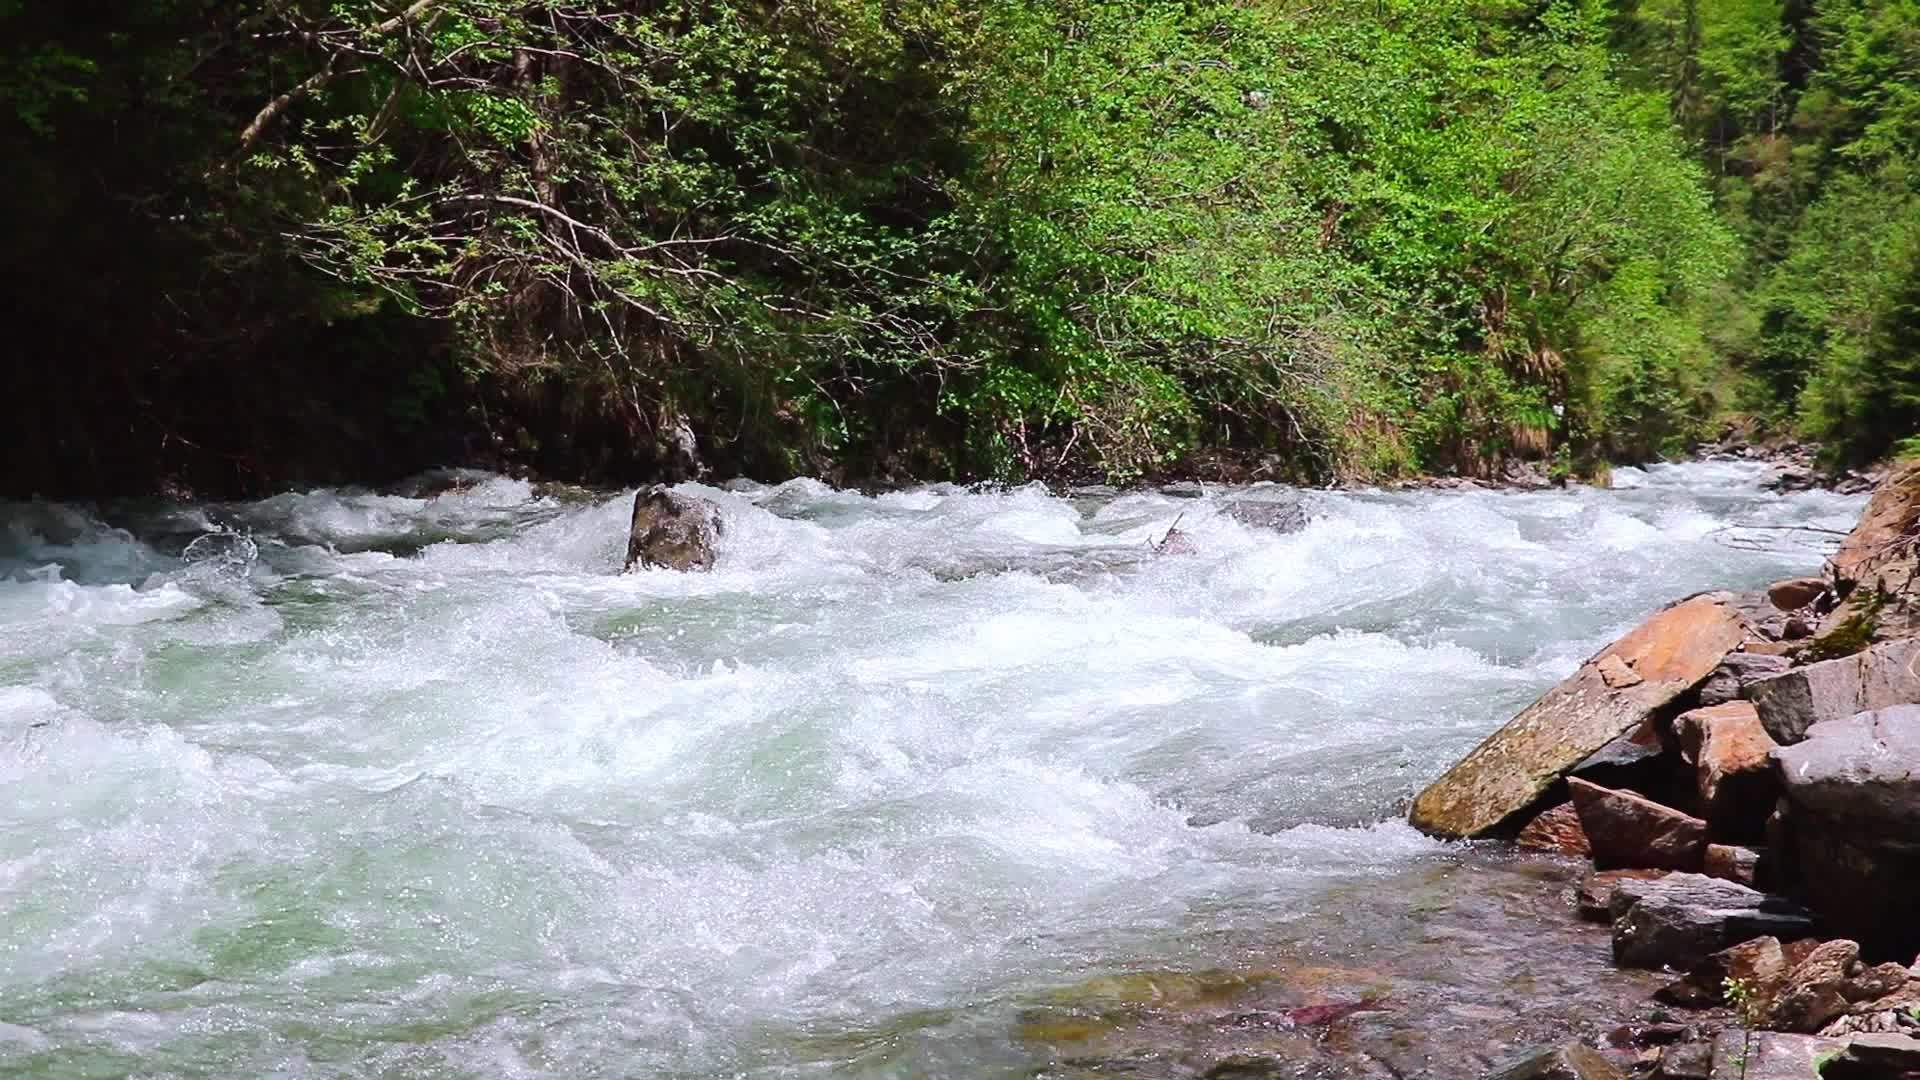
(1743, 772)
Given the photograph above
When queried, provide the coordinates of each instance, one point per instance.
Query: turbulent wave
(416, 782)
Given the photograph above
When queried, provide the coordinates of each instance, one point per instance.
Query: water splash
(424, 786)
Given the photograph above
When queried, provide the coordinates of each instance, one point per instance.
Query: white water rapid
(341, 784)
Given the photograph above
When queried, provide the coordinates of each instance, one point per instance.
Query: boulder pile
(1744, 772)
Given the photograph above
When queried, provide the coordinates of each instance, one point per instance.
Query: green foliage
(1810, 115)
(1026, 239)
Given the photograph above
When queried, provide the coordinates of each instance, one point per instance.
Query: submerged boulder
(1851, 824)
(672, 531)
(1624, 685)
(1280, 515)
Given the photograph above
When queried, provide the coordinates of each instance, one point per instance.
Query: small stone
(1595, 893)
(1556, 830)
(1573, 1061)
(1730, 862)
(1625, 829)
(1687, 1061)
(1796, 593)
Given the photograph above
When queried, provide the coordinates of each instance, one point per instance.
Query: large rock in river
(1625, 684)
(672, 531)
(1793, 701)
(1852, 825)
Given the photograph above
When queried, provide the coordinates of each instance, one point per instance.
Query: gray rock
(1851, 825)
(1770, 1055)
(1865, 768)
(672, 531)
(1279, 515)
(1687, 1061)
(1886, 1054)
(1734, 673)
(1573, 1061)
(1795, 700)
(1678, 920)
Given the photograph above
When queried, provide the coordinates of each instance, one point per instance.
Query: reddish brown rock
(1812, 996)
(1832, 982)
(1892, 516)
(1759, 965)
(1596, 891)
(1557, 830)
(1625, 830)
(1513, 769)
(1730, 862)
(1796, 593)
(1729, 750)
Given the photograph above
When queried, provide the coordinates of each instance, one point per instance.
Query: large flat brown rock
(1669, 654)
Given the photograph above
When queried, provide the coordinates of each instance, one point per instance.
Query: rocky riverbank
(1743, 770)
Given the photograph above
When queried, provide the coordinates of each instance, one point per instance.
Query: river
(348, 784)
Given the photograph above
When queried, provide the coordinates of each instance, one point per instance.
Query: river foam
(335, 783)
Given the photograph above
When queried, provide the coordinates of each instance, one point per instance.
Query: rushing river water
(341, 784)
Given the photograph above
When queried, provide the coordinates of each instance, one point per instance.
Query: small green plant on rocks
(1751, 1008)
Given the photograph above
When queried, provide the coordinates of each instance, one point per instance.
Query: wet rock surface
(1488, 968)
(1574, 1061)
(671, 531)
